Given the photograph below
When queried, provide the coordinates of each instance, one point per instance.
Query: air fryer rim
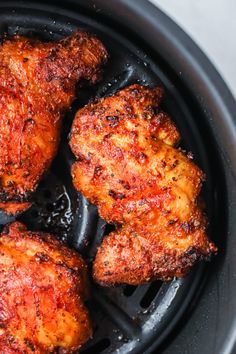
(199, 76)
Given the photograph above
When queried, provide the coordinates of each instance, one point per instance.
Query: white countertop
(212, 25)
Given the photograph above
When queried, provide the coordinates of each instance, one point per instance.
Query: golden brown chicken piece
(37, 84)
(128, 166)
(43, 285)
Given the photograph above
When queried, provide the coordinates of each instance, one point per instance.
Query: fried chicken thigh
(37, 84)
(129, 166)
(43, 285)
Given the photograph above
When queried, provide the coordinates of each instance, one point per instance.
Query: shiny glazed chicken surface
(129, 166)
(43, 285)
(37, 84)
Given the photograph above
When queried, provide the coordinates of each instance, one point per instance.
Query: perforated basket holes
(112, 317)
(123, 322)
(135, 305)
(148, 296)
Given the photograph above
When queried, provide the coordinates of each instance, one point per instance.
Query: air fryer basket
(191, 315)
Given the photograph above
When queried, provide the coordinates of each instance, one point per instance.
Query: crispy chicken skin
(43, 285)
(37, 84)
(128, 165)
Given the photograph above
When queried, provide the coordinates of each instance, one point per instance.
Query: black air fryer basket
(193, 315)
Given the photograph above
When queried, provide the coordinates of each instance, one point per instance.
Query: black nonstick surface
(126, 319)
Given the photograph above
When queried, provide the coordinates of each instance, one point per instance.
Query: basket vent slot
(150, 294)
(129, 290)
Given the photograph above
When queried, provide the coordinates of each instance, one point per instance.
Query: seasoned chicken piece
(127, 164)
(43, 285)
(37, 84)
